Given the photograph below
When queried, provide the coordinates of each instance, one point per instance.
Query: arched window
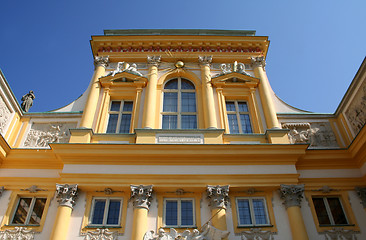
(179, 105)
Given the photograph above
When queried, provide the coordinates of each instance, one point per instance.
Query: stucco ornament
(339, 233)
(356, 112)
(208, 233)
(227, 68)
(66, 194)
(141, 196)
(361, 192)
(101, 234)
(205, 60)
(153, 60)
(258, 62)
(125, 67)
(218, 196)
(5, 115)
(101, 61)
(292, 194)
(27, 101)
(18, 233)
(256, 234)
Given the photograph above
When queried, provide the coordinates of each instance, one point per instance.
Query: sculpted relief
(356, 112)
(317, 134)
(5, 115)
(41, 134)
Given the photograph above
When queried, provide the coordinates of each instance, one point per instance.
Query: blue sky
(316, 46)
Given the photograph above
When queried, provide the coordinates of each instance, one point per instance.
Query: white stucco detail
(180, 169)
(39, 173)
(330, 173)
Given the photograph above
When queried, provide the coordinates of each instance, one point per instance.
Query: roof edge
(202, 32)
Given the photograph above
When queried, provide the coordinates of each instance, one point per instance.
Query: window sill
(102, 227)
(21, 225)
(337, 225)
(178, 227)
(256, 226)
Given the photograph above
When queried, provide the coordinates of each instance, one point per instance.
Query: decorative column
(207, 92)
(292, 196)
(361, 192)
(66, 196)
(100, 63)
(218, 196)
(269, 110)
(141, 198)
(148, 120)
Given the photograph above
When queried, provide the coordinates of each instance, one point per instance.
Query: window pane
(244, 212)
(172, 84)
(186, 84)
(245, 123)
(98, 214)
(37, 211)
(112, 123)
(115, 106)
(337, 211)
(259, 211)
(230, 106)
(189, 121)
(125, 123)
(186, 213)
(243, 107)
(188, 102)
(127, 106)
(321, 211)
(171, 213)
(22, 210)
(233, 123)
(113, 212)
(169, 122)
(170, 102)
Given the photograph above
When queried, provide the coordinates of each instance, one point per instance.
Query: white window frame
(237, 113)
(329, 212)
(252, 215)
(106, 208)
(178, 113)
(120, 113)
(179, 200)
(29, 213)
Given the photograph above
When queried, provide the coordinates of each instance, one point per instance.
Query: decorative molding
(33, 189)
(180, 191)
(179, 138)
(154, 60)
(256, 234)
(218, 196)
(5, 115)
(141, 196)
(325, 189)
(250, 191)
(66, 194)
(101, 61)
(125, 67)
(108, 191)
(101, 234)
(292, 194)
(208, 233)
(339, 233)
(361, 192)
(258, 62)
(205, 60)
(18, 233)
(356, 112)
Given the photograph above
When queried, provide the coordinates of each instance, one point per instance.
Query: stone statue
(125, 67)
(118, 69)
(27, 101)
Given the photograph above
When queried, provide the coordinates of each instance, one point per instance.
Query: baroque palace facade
(180, 136)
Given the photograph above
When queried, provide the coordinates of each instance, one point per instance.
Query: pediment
(235, 78)
(124, 78)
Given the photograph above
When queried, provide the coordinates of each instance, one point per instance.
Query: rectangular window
(252, 211)
(29, 211)
(120, 115)
(179, 212)
(238, 117)
(329, 211)
(106, 212)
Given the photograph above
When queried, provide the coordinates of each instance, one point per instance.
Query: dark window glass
(113, 212)
(337, 211)
(243, 107)
(245, 123)
(170, 102)
(259, 211)
(115, 106)
(230, 106)
(186, 213)
(125, 123)
(233, 123)
(188, 102)
(187, 84)
(244, 212)
(21, 213)
(98, 214)
(112, 123)
(120, 120)
(169, 122)
(189, 122)
(37, 211)
(29, 211)
(127, 106)
(172, 84)
(171, 213)
(321, 211)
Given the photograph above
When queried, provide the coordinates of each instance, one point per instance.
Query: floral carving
(141, 196)
(101, 234)
(4, 115)
(218, 195)
(18, 233)
(256, 234)
(292, 194)
(339, 233)
(66, 194)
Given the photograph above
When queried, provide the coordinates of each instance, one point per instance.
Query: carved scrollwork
(256, 234)
(218, 196)
(17, 233)
(101, 234)
(292, 194)
(339, 233)
(66, 194)
(141, 196)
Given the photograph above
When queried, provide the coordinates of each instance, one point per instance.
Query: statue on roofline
(27, 101)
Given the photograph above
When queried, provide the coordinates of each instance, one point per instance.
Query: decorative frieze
(101, 234)
(205, 60)
(208, 232)
(5, 115)
(66, 194)
(339, 233)
(218, 196)
(18, 233)
(292, 194)
(258, 62)
(33, 189)
(356, 112)
(141, 196)
(256, 234)
(179, 138)
(125, 67)
(154, 60)
(101, 61)
(361, 192)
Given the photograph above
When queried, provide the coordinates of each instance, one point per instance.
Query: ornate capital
(17, 233)
(361, 191)
(101, 61)
(292, 194)
(66, 194)
(141, 196)
(101, 234)
(205, 60)
(218, 195)
(153, 60)
(258, 62)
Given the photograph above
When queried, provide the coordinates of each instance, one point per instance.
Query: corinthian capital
(361, 191)
(205, 60)
(258, 62)
(153, 60)
(101, 61)
(66, 194)
(292, 194)
(218, 196)
(141, 196)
